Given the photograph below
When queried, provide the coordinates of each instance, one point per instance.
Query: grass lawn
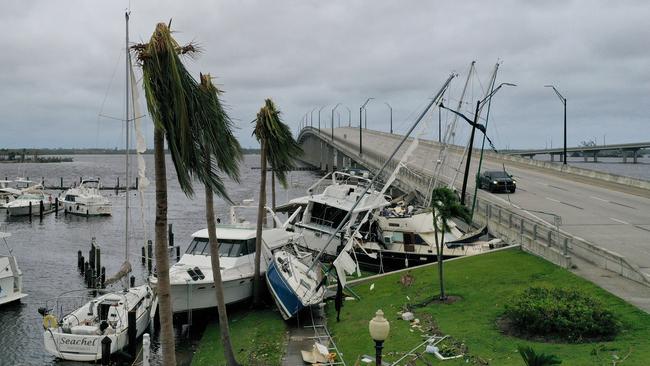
(258, 337)
(484, 283)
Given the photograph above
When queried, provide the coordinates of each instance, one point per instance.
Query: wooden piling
(102, 277)
(41, 208)
(79, 261)
(144, 256)
(132, 333)
(178, 253)
(170, 234)
(56, 206)
(30, 210)
(106, 350)
(149, 255)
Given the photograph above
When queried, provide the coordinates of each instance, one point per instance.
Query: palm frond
(532, 358)
(446, 204)
(190, 115)
(282, 148)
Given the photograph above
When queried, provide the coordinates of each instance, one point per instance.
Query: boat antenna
(433, 101)
(128, 180)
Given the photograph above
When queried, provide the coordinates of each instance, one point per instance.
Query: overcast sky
(62, 63)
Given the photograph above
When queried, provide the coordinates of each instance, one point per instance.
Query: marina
(201, 193)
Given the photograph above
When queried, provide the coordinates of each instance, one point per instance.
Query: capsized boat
(86, 199)
(191, 279)
(293, 284)
(78, 335)
(11, 277)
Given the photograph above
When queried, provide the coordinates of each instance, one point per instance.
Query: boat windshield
(227, 247)
(28, 197)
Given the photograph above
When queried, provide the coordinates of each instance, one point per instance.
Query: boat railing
(68, 302)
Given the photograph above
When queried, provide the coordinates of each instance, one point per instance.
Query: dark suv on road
(497, 181)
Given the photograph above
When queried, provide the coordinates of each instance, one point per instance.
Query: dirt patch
(448, 301)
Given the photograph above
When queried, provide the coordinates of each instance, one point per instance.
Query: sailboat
(11, 277)
(78, 335)
(295, 279)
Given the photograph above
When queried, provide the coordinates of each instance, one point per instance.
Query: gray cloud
(60, 59)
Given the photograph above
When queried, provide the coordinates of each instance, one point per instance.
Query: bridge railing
(534, 236)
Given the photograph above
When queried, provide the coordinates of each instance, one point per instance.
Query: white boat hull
(78, 337)
(187, 297)
(82, 209)
(24, 210)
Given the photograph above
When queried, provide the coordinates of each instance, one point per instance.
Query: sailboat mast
(128, 176)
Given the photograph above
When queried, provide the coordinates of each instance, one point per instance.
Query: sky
(62, 65)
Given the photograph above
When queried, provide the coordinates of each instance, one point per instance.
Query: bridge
(596, 224)
(625, 150)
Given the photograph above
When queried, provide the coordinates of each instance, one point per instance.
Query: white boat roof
(237, 232)
(344, 196)
(11, 190)
(4, 235)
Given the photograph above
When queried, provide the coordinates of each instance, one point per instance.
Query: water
(46, 251)
(641, 170)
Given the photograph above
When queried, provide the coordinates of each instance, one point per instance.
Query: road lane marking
(556, 187)
(620, 204)
(564, 203)
(641, 227)
(620, 221)
(552, 199)
(598, 198)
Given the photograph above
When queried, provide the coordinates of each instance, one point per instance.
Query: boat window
(198, 246)
(250, 246)
(325, 215)
(419, 240)
(70, 198)
(398, 237)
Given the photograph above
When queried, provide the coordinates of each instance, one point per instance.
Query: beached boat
(191, 279)
(85, 199)
(11, 277)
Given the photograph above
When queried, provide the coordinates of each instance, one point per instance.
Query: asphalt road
(612, 219)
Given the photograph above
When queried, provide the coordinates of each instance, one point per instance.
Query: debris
(372, 286)
(407, 279)
(318, 354)
(408, 316)
(349, 298)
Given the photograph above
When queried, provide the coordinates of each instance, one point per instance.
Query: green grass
(258, 337)
(485, 283)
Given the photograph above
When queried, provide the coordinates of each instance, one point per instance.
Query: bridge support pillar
(635, 155)
(624, 154)
(595, 156)
(553, 158)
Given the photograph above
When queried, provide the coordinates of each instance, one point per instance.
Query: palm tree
(277, 147)
(445, 205)
(223, 123)
(532, 358)
(182, 115)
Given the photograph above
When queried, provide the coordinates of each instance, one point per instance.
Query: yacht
(325, 211)
(192, 282)
(7, 193)
(11, 277)
(86, 199)
(29, 201)
(402, 238)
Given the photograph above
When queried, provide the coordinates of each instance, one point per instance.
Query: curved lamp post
(379, 328)
(333, 109)
(391, 117)
(563, 100)
(471, 137)
(360, 126)
(320, 109)
(311, 117)
(349, 116)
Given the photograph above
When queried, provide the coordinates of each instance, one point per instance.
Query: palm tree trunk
(438, 255)
(162, 256)
(441, 261)
(224, 327)
(273, 193)
(260, 217)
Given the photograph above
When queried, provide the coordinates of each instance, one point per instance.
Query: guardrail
(534, 236)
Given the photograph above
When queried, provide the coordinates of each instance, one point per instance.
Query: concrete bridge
(596, 223)
(626, 151)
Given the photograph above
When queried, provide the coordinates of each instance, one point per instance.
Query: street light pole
(471, 139)
(563, 100)
(349, 116)
(391, 117)
(320, 109)
(361, 126)
(333, 109)
(311, 117)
